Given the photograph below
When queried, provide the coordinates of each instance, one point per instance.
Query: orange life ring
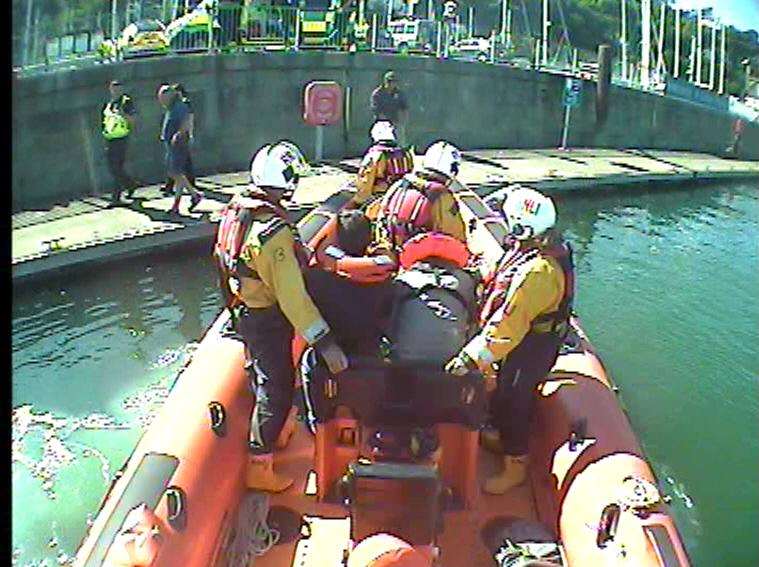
(434, 244)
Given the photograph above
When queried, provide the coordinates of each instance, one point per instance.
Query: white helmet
(444, 158)
(528, 213)
(279, 166)
(383, 131)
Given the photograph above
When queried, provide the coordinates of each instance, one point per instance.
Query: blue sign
(572, 92)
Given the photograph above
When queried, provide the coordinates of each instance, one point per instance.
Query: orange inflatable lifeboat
(592, 497)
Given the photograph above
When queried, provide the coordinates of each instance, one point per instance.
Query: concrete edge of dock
(160, 238)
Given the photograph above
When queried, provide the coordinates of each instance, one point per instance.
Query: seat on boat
(374, 394)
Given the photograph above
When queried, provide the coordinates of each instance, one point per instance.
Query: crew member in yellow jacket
(422, 201)
(524, 320)
(260, 262)
(384, 163)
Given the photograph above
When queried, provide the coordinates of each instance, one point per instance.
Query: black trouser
(514, 399)
(268, 339)
(354, 312)
(115, 152)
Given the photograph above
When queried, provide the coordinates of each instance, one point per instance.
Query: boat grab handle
(176, 503)
(607, 525)
(218, 417)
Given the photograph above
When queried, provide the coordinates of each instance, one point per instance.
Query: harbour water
(667, 291)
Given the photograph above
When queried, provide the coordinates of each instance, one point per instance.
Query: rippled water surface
(668, 291)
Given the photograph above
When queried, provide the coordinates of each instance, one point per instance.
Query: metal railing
(230, 27)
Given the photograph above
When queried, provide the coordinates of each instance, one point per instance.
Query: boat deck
(460, 543)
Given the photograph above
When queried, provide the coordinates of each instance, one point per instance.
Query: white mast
(623, 40)
(546, 23)
(660, 64)
(699, 45)
(645, 46)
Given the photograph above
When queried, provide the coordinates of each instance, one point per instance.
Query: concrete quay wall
(243, 101)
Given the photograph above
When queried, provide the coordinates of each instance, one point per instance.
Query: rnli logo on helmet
(530, 207)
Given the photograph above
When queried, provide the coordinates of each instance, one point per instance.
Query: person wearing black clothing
(168, 187)
(118, 119)
(389, 103)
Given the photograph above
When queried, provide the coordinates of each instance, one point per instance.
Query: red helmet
(407, 211)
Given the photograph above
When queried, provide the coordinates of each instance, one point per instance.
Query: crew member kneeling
(260, 259)
(524, 321)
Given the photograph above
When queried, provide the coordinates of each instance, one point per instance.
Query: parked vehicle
(413, 34)
(472, 48)
(192, 31)
(143, 38)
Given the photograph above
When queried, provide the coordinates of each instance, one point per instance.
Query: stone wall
(243, 101)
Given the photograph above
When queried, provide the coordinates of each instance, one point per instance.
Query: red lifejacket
(237, 217)
(407, 208)
(434, 245)
(498, 287)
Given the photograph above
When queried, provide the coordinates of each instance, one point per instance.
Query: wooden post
(722, 63)
(676, 69)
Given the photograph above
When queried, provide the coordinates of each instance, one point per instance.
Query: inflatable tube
(184, 480)
(589, 466)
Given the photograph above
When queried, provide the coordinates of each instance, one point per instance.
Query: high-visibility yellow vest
(115, 125)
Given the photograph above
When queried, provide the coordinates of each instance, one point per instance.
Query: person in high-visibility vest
(118, 120)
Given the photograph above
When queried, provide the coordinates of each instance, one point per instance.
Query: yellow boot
(490, 440)
(261, 476)
(287, 429)
(513, 474)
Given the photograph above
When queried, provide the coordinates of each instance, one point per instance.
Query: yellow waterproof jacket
(269, 274)
(536, 289)
(380, 168)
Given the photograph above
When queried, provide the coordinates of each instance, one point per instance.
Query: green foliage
(590, 23)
